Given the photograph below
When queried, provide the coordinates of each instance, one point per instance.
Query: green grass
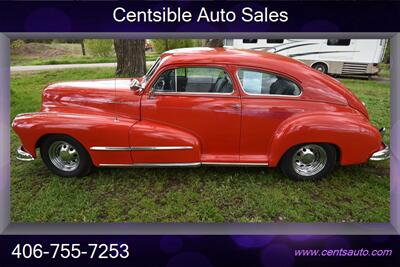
(384, 70)
(28, 61)
(351, 194)
(23, 61)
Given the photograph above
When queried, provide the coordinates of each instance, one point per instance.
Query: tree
(99, 47)
(82, 42)
(131, 57)
(162, 45)
(215, 43)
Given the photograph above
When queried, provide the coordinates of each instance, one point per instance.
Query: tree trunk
(83, 47)
(166, 45)
(131, 57)
(215, 43)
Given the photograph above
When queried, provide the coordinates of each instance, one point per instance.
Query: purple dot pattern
(245, 241)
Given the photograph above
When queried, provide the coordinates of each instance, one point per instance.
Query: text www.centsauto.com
(342, 252)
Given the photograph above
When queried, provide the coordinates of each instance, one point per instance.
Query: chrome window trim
(153, 92)
(267, 95)
(176, 81)
(139, 148)
(152, 70)
(190, 93)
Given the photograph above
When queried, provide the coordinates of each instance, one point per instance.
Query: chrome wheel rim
(64, 156)
(309, 160)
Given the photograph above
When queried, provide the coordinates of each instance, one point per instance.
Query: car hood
(98, 86)
(90, 95)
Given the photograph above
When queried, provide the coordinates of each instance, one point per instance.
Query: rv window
(340, 42)
(274, 41)
(263, 83)
(229, 42)
(250, 41)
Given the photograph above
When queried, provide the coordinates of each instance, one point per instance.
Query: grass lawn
(24, 61)
(32, 61)
(384, 70)
(206, 194)
(57, 53)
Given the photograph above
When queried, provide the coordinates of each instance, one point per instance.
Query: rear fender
(352, 134)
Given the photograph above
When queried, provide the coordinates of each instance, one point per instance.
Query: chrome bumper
(23, 155)
(382, 154)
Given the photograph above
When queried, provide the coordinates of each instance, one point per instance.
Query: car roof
(242, 57)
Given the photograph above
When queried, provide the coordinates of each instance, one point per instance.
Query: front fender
(352, 134)
(89, 130)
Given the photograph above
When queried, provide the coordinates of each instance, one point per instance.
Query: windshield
(151, 71)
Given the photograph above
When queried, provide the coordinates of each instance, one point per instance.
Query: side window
(263, 83)
(274, 41)
(194, 80)
(250, 41)
(339, 42)
(166, 82)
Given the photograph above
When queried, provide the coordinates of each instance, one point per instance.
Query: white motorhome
(333, 56)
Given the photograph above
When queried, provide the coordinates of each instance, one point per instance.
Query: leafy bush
(15, 44)
(161, 45)
(386, 58)
(100, 47)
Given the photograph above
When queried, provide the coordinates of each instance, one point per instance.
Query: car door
(200, 100)
(268, 100)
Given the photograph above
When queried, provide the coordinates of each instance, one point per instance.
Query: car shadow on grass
(206, 194)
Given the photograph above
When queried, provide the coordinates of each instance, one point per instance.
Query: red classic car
(203, 106)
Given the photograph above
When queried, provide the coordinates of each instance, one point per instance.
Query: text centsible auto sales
(170, 15)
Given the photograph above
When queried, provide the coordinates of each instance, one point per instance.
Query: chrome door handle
(236, 106)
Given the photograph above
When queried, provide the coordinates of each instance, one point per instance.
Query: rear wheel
(322, 67)
(308, 161)
(65, 156)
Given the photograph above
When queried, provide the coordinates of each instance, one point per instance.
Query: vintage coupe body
(203, 106)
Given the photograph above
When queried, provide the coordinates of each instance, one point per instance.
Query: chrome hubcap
(64, 156)
(309, 160)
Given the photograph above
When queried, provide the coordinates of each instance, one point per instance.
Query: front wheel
(308, 161)
(65, 156)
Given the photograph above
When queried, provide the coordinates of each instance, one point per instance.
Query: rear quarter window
(263, 83)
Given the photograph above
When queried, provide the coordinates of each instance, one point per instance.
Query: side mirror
(135, 85)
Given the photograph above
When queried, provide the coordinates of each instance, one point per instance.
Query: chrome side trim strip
(254, 164)
(144, 148)
(23, 155)
(154, 165)
(139, 148)
(186, 164)
(109, 148)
